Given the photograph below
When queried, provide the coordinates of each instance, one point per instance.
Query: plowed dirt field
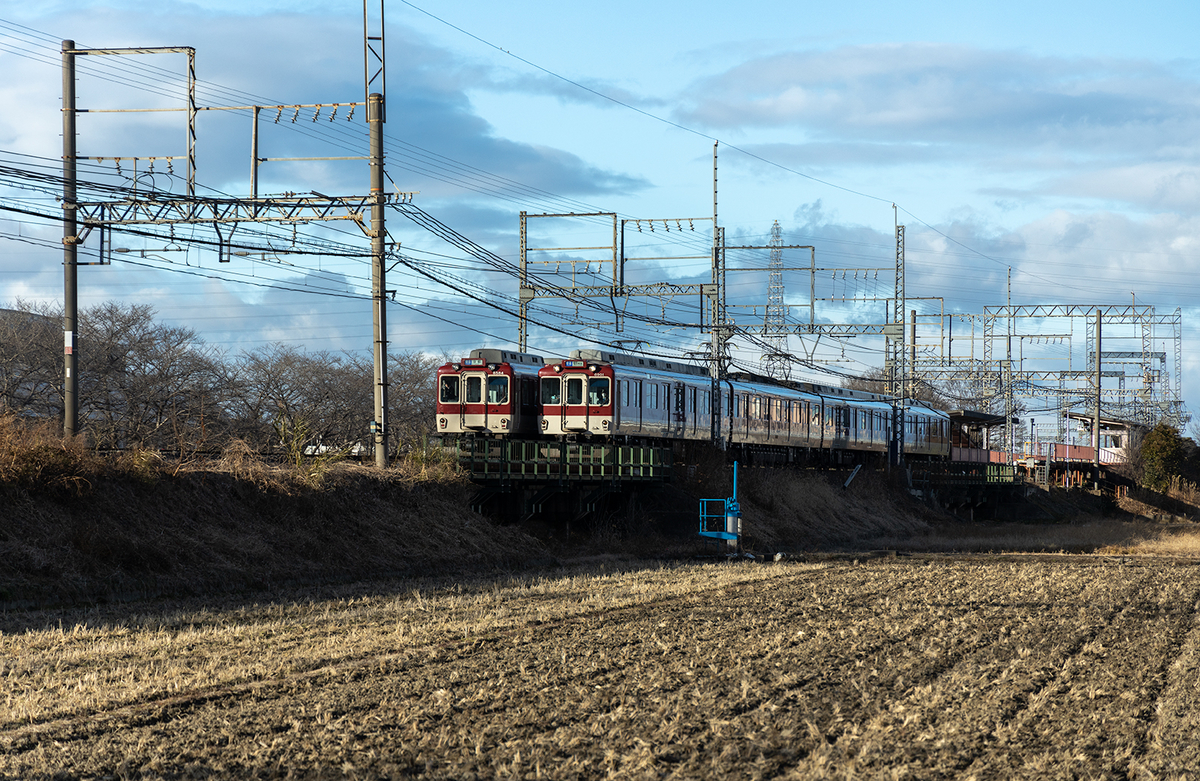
(919, 667)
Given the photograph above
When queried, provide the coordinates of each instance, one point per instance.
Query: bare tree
(155, 385)
(330, 395)
(31, 359)
(412, 403)
(143, 382)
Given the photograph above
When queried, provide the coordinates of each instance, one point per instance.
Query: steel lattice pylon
(774, 333)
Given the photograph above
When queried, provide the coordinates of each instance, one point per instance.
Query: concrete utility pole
(378, 286)
(70, 249)
(1096, 419)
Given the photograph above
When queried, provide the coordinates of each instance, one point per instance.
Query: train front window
(448, 393)
(474, 389)
(551, 390)
(497, 390)
(574, 390)
(598, 391)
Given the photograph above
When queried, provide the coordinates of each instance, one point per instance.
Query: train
(604, 396)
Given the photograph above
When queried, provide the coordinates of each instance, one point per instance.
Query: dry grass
(808, 510)
(136, 525)
(921, 668)
(33, 455)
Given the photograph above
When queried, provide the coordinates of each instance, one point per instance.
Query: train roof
(621, 359)
(492, 355)
(830, 391)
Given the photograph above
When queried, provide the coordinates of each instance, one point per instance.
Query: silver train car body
(597, 393)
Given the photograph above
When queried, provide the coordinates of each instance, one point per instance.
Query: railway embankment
(80, 528)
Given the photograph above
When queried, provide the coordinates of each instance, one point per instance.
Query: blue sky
(1063, 149)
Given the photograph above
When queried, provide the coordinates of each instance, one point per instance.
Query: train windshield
(598, 391)
(574, 390)
(497, 390)
(551, 390)
(474, 389)
(448, 393)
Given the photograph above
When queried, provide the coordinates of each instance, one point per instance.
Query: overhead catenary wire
(506, 266)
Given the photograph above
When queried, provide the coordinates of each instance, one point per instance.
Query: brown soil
(922, 667)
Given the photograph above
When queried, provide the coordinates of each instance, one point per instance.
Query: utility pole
(378, 286)
(70, 249)
(1096, 419)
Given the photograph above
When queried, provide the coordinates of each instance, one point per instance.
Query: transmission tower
(776, 359)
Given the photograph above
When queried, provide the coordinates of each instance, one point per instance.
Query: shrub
(1161, 456)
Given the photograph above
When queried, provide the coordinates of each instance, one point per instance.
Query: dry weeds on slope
(78, 527)
(1083, 667)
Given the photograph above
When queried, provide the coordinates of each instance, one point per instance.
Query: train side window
(497, 390)
(598, 391)
(637, 393)
(574, 390)
(551, 390)
(448, 389)
(624, 393)
(474, 389)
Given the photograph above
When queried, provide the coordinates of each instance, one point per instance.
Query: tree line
(144, 383)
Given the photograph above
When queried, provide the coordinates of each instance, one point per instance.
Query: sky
(1038, 162)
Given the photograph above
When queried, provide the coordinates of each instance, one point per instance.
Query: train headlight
(605, 425)
(503, 422)
(441, 422)
(545, 424)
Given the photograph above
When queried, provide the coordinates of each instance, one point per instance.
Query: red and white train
(492, 392)
(602, 395)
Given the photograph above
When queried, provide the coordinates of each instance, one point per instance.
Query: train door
(693, 420)
(575, 406)
(679, 416)
(636, 400)
(473, 412)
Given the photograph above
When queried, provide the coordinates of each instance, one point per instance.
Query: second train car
(609, 395)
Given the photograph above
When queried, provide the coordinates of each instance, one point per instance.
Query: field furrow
(934, 668)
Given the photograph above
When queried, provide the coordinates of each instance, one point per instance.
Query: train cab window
(574, 390)
(474, 389)
(448, 389)
(497, 390)
(551, 390)
(598, 395)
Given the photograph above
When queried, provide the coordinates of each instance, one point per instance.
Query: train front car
(490, 393)
(576, 397)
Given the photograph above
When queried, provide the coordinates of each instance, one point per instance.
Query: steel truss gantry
(224, 214)
(1140, 386)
